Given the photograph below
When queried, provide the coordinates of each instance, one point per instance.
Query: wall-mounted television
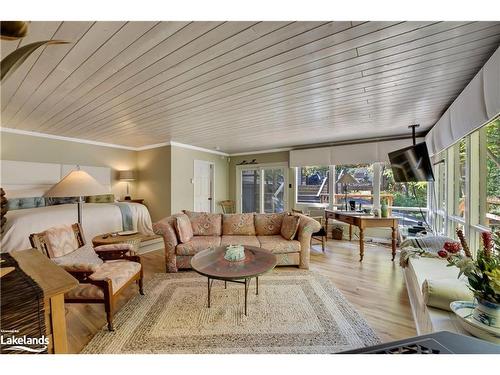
(411, 164)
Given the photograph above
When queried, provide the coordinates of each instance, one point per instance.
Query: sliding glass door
(262, 189)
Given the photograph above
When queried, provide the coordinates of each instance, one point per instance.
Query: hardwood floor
(375, 287)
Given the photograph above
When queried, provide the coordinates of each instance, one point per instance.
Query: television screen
(411, 164)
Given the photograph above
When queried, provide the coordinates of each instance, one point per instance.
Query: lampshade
(76, 184)
(346, 178)
(126, 175)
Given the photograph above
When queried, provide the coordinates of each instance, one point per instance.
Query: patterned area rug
(295, 312)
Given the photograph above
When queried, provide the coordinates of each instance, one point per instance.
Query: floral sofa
(187, 233)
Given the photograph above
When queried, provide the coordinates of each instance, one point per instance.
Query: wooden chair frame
(228, 205)
(38, 241)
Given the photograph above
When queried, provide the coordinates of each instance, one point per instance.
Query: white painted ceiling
(241, 85)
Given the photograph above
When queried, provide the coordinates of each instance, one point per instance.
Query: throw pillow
(289, 226)
(268, 224)
(183, 228)
(238, 225)
(204, 223)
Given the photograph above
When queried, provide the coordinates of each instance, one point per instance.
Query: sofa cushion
(238, 225)
(289, 226)
(60, 240)
(82, 259)
(205, 224)
(268, 224)
(119, 271)
(240, 240)
(183, 227)
(197, 244)
(278, 245)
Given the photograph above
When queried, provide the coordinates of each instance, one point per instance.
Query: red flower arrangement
(449, 248)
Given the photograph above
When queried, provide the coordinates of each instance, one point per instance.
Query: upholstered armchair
(103, 272)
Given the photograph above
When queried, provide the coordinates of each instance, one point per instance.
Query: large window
(490, 166)
(312, 184)
(468, 185)
(408, 200)
(358, 193)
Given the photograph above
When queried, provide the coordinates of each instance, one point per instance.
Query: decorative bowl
(234, 253)
(464, 311)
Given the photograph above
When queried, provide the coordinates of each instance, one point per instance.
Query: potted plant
(483, 275)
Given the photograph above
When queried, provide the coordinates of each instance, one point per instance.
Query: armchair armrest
(307, 226)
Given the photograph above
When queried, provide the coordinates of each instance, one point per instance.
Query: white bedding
(97, 218)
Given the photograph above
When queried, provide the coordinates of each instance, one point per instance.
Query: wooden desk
(362, 222)
(55, 282)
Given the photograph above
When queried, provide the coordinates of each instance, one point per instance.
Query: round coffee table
(211, 263)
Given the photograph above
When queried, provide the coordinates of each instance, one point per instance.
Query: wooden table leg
(350, 232)
(257, 285)
(394, 237)
(361, 244)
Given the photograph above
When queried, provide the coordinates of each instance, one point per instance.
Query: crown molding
(196, 148)
(69, 139)
(262, 151)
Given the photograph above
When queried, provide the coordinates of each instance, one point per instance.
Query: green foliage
(404, 192)
(482, 273)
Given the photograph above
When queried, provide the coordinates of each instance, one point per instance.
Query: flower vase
(384, 210)
(488, 313)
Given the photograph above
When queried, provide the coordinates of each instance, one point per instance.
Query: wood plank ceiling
(241, 86)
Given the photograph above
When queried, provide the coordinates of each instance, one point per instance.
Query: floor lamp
(79, 184)
(346, 179)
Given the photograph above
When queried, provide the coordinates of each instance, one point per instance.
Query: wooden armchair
(103, 272)
(228, 207)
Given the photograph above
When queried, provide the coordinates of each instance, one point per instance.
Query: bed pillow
(184, 229)
(23, 203)
(55, 201)
(289, 226)
(104, 198)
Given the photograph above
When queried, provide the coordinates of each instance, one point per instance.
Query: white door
(203, 186)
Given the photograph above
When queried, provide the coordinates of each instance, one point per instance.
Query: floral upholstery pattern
(289, 226)
(183, 261)
(268, 224)
(238, 225)
(197, 244)
(307, 226)
(183, 228)
(60, 240)
(165, 229)
(205, 224)
(118, 246)
(118, 271)
(278, 245)
(181, 258)
(288, 259)
(240, 240)
(82, 259)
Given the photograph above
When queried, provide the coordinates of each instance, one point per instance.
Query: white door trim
(260, 167)
(212, 183)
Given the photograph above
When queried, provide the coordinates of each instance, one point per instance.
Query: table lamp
(346, 179)
(79, 184)
(127, 176)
